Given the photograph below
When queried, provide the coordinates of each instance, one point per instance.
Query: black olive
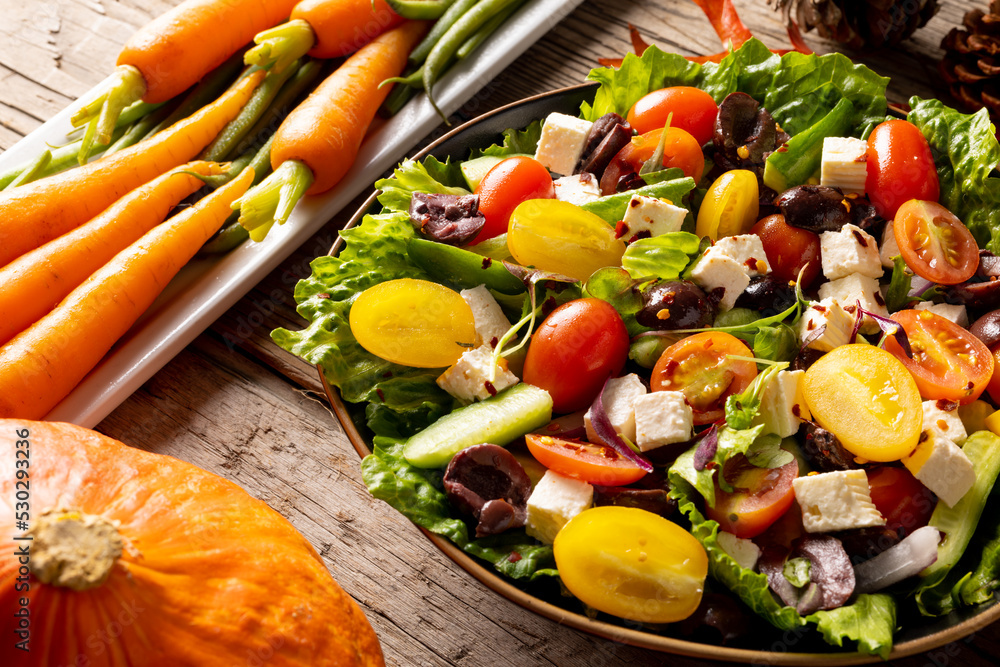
(451, 219)
(487, 482)
(818, 208)
(597, 160)
(652, 500)
(675, 304)
(767, 295)
(745, 133)
(824, 451)
(987, 328)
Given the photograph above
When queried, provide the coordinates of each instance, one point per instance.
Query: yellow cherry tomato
(631, 563)
(867, 398)
(413, 323)
(557, 236)
(730, 206)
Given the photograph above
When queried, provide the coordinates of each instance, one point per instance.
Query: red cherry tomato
(934, 243)
(506, 185)
(680, 150)
(760, 496)
(700, 367)
(900, 498)
(694, 111)
(900, 167)
(789, 249)
(948, 362)
(595, 464)
(575, 350)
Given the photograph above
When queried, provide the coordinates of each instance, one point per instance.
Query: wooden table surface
(235, 404)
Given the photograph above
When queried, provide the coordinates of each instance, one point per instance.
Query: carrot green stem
(488, 28)
(280, 46)
(32, 171)
(419, 54)
(125, 86)
(238, 128)
(139, 130)
(273, 200)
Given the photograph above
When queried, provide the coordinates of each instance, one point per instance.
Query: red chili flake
(878, 299)
(323, 295)
(513, 557)
(487, 262)
(945, 405)
(494, 342)
(923, 436)
(862, 241)
(671, 367)
(633, 202)
(490, 388)
(380, 395)
(783, 148)
(621, 229)
(642, 234)
(819, 309)
(796, 410)
(387, 374)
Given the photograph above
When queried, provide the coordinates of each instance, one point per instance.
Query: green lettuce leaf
(417, 494)
(664, 256)
(870, 621)
(965, 152)
(515, 142)
(730, 443)
(410, 176)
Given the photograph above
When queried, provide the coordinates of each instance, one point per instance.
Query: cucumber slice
(473, 170)
(462, 267)
(958, 523)
(494, 248)
(498, 420)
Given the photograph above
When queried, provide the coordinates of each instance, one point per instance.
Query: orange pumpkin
(172, 565)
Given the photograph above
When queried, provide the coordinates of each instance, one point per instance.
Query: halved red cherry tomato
(596, 464)
(700, 367)
(948, 362)
(575, 350)
(694, 111)
(506, 185)
(789, 249)
(935, 243)
(680, 150)
(760, 496)
(900, 167)
(900, 498)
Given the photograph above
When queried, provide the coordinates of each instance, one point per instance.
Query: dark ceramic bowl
(772, 647)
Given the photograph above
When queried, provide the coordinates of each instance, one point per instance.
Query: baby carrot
(34, 283)
(318, 141)
(42, 364)
(173, 52)
(323, 29)
(36, 213)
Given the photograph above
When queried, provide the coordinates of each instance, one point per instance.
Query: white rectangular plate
(206, 288)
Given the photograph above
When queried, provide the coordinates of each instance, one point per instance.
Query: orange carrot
(344, 26)
(42, 364)
(317, 143)
(326, 130)
(34, 283)
(36, 213)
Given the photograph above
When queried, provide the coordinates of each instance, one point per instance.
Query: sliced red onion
(917, 551)
(889, 327)
(707, 447)
(919, 285)
(606, 432)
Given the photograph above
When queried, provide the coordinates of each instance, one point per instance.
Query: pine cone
(859, 23)
(971, 64)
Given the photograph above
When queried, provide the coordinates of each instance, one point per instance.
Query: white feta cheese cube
(553, 502)
(578, 188)
(741, 550)
(491, 323)
(662, 418)
(747, 250)
(848, 291)
(649, 216)
(845, 164)
(618, 397)
(851, 250)
(955, 313)
(722, 277)
(941, 466)
(889, 248)
(782, 407)
(948, 422)
(829, 315)
(469, 379)
(838, 500)
(562, 141)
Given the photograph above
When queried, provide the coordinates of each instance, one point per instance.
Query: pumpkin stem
(73, 549)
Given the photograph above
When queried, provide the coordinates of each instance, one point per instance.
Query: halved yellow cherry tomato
(948, 362)
(631, 563)
(557, 236)
(730, 206)
(866, 397)
(413, 322)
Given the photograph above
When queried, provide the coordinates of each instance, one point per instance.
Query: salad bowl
(775, 647)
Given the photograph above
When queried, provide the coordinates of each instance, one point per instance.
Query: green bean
(481, 35)
(454, 37)
(259, 102)
(419, 54)
(397, 99)
(207, 90)
(231, 235)
(32, 171)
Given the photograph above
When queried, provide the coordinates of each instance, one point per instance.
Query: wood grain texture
(235, 404)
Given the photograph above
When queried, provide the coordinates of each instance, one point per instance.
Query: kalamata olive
(767, 295)
(598, 159)
(989, 265)
(652, 500)
(978, 296)
(451, 219)
(675, 304)
(601, 128)
(487, 482)
(863, 544)
(818, 208)
(744, 133)
(987, 328)
(831, 575)
(823, 450)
